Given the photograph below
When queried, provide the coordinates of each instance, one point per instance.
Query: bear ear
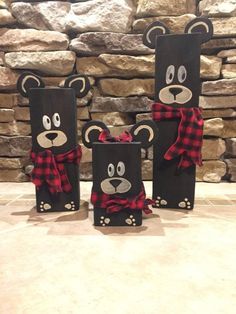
(28, 80)
(91, 131)
(153, 30)
(145, 132)
(80, 83)
(200, 25)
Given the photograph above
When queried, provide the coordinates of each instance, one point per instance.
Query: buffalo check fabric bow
(50, 169)
(105, 136)
(114, 203)
(190, 132)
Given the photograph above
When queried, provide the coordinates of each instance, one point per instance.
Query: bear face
(53, 111)
(117, 168)
(117, 165)
(178, 61)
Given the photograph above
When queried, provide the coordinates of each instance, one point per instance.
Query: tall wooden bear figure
(176, 112)
(55, 150)
(118, 193)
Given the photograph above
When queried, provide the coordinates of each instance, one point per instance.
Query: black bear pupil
(48, 121)
(171, 76)
(119, 168)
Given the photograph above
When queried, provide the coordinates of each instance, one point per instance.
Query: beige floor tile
(177, 262)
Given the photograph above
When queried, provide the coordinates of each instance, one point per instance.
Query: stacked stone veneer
(102, 38)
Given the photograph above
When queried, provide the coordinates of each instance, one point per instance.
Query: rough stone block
(86, 171)
(224, 27)
(51, 62)
(121, 104)
(147, 170)
(117, 65)
(230, 147)
(215, 102)
(220, 87)
(10, 163)
(83, 113)
(143, 116)
(6, 115)
(229, 128)
(219, 113)
(210, 67)
(218, 7)
(211, 171)
(213, 127)
(96, 43)
(213, 148)
(116, 87)
(113, 118)
(22, 114)
(6, 17)
(8, 100)
(229, 71)
(231, 163)
(12, 175)
(161, 7)
(15, 128)
(101, 16)
(8, 79)
(32, 40)
(15, 146)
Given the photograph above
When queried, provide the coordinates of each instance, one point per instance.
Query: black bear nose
(115, 182)
(51, 136)
(175, 90)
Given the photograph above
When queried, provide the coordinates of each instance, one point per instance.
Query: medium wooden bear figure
(55, 150)
(118, 193)
(176, 112)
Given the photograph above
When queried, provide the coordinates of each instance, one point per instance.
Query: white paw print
(185, 204)
(44, 206)
(70, 206)
(160, 201)
(131, 220)
(104, 221)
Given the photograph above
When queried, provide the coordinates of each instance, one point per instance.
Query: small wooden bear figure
(176, 112)
(118, 193)
(55, 150)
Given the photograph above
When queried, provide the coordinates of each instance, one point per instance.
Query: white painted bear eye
(120, 168)
(111, 170)
(46, 122)
(182, 74)
(56, 120)
(170, 73)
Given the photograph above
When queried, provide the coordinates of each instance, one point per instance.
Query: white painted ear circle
(145, 127)
(182, 74)
(78, 79)
(27, 77)
(91, 128)
(46, 122)
(120, 168)
(111, 170)
(157, 27)
(170, 74)
(56, 119)
(200, 23)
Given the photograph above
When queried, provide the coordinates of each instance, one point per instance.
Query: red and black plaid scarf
(114, 203)
(190, 132)
(105, 136)
(50, 169)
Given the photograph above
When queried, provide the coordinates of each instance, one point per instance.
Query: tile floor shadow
(35, 217)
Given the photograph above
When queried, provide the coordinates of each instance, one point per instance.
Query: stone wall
(103, 39)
